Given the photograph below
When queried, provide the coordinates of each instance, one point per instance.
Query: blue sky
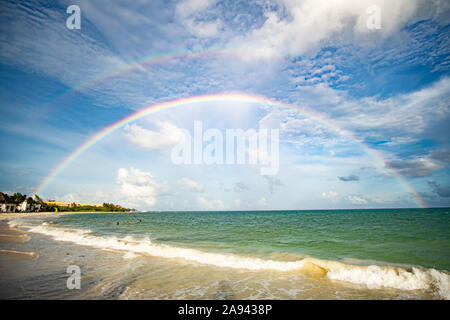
(388, 87)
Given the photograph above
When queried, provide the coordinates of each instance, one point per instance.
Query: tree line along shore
(18, 202)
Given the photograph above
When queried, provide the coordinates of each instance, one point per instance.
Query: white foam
(375, 277)
(372, 276)
(12, 224)
(160, 250)
(130, 255)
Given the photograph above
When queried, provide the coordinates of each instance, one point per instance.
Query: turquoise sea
(320, 254)
(409, 236)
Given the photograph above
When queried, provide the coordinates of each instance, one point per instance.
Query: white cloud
(192, 14)
(203, 28)
(189, 184)
(169, 135)
(299, 129)
(213, 204)
(187, 8)
(409, 113)
(298, 26)
(331, 195)
(139, 185)
(400, 119)
(356, 199)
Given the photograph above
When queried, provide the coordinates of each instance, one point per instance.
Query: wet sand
(9, 235)
(15, 215)
(13, 238)
(6, 255)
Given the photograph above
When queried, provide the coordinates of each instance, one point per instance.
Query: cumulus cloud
(189, 184)
(330, 195)
(168, 135)
(351, 177)
(210, 204)
(417, 168)
(139, 185)
(296, 27)
(356, 199)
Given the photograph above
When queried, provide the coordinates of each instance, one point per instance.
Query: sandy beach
(11, 235)
(165, 255)
(8, 235)
(15, 215)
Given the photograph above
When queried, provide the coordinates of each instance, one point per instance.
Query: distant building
(25, 206)
(5, 204)
(8, 207)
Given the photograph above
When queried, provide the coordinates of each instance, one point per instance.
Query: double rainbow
(139, 65)
(218, 98)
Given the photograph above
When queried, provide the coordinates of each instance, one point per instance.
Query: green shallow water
(401, 236)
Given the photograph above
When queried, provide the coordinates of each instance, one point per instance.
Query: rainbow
(159, 59)
(138, 65)
(232, 97)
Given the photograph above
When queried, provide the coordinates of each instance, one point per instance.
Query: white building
(28, 207)
(8, 207)
(24, 206)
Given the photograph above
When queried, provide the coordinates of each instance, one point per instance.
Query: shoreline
(10, 235)
(15, 215)
(412, 279)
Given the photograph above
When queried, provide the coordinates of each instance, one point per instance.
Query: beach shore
(12, 235)
(15, 215)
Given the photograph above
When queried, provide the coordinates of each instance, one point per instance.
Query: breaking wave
(373, 276)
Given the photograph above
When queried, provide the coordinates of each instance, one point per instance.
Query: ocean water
(329, 254)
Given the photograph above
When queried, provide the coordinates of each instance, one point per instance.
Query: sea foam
(372, 276)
